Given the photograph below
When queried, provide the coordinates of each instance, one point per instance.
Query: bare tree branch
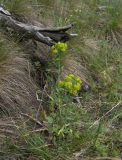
(47, 35)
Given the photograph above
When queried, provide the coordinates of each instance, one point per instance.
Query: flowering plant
(58, 51)
(59, 47)
(71, 83)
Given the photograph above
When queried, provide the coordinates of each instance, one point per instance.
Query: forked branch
(47, 35)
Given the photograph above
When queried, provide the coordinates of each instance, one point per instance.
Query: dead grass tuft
(17, 91)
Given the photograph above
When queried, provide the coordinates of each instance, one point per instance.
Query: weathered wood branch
(47, 35)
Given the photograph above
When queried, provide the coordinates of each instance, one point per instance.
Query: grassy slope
(98, 47)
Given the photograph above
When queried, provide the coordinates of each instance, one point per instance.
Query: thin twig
(6, 125)
(6, 131)
(97, 121)
(33, 119)
(114, 37)
(107, 158)
(37, 131)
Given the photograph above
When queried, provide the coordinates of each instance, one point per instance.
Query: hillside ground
(88, 125)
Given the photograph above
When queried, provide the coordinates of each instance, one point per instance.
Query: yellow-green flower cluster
(59, 47)
(71, 83)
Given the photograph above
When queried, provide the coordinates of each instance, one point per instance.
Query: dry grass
(73, 66)
(17, 87)
(17, 95)
(17, 91)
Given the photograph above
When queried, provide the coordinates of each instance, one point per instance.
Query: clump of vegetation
(6, 51)
(18, 7)
(3, 54)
